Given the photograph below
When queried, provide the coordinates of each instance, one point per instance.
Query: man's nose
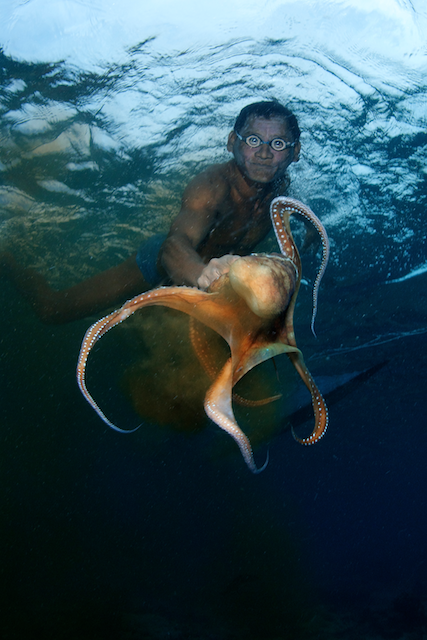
(264, 150)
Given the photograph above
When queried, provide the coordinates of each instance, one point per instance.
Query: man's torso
(242, 217)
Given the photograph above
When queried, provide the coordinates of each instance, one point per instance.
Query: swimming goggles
(277, 144)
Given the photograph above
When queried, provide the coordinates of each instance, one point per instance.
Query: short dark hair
(268, 109)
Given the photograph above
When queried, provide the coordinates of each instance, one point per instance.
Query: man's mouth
(262, 166)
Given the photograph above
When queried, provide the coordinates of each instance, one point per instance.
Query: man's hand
(214, 269)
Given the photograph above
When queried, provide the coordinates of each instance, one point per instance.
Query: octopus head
(266, 283)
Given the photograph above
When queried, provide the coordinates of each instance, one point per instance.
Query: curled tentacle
(94, 333)
(319, 406)
(219, 409)
(280, 210)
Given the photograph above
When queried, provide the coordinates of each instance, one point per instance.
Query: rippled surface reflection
(102, 156)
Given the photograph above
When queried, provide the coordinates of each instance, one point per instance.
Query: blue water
(106, 115)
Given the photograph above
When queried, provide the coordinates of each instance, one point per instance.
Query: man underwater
(225, 213)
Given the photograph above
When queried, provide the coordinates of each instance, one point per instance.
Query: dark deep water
(164, 533)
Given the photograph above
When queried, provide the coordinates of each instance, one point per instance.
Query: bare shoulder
(215, 172)
(211, 185)
(202, 203)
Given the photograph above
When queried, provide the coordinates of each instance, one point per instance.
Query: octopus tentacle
(95, 333)
(319, 405)
(200, 347)
(281, 208)
(219, 409)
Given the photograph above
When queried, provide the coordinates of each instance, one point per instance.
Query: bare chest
(240, 226)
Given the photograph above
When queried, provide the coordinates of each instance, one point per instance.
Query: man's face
(263, 164)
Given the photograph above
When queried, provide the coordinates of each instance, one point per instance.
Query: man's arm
(200, 207)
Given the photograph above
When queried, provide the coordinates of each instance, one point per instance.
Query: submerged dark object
(303, 415)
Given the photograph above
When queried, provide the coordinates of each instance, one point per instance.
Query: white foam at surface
(88, 33)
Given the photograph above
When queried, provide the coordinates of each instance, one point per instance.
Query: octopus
(252, 308)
